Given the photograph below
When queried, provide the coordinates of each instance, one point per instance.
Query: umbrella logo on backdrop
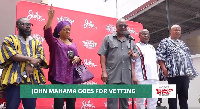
(90, 44)
(89, 63)
(89, 24)
(65, 19)
(110, 28)
(35, 16)
(87, 105)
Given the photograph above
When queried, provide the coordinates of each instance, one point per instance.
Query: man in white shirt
(145, 68)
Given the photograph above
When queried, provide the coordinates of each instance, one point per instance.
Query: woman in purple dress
(60, 65)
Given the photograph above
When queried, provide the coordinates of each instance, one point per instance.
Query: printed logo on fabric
(87, 105)
(130, 101)
(38, 36)
(62, 18)
(110, 28)
(90, 44)
(89, 63)
(35, 16)
(105, 103)
(89, 24)
(131, 30)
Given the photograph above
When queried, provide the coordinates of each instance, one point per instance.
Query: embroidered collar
(26, 42)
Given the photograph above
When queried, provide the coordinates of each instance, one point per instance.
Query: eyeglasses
(26, 24)
(123, 25)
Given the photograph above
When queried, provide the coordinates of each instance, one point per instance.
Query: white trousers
(151, 102)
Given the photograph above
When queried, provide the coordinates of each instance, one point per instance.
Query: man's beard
(120, 33)
(24, 32)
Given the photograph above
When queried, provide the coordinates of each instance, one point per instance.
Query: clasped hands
(31, 64)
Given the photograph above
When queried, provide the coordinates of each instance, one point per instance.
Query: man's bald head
(20, 20)
(143, 31)
(144, 36)
(121, 26)
(120, 20)
(175, 32)
(175, 26)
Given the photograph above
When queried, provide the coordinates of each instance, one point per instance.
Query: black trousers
(13, 99)
(59, 102)
(182, 86)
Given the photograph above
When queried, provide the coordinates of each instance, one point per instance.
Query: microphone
(127, 35)
(70, 54)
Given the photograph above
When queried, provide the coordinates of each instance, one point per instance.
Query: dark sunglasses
(123, 25)
(26, 24)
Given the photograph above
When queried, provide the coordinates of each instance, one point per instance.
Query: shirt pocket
(113, 45)
(113, 48)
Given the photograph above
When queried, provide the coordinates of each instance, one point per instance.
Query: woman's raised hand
(51, 12)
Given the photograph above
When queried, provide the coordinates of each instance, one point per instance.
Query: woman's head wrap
(61, 24)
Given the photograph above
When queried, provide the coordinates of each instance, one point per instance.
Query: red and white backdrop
(88, 32)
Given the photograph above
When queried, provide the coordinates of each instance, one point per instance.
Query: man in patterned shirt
(21, 58)
(176, 63)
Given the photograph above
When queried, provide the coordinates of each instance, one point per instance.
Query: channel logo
(164, 91)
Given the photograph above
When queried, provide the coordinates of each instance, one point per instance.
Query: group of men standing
(172, 55)
(122, 62)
